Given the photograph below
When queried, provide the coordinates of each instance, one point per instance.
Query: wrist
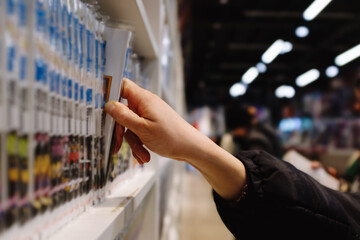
(225, 173)
(197, 148)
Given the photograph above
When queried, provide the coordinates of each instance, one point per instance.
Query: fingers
(130, 90)
(134, 94)
(139, 152)
(119, 133)
(137, 158)
(117, 142)
(124, 116)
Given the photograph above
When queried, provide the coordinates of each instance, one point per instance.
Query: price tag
(40, 121)
(72, 125)
(65, 125)
(26, 123)
(14, 117)
(83, 127)
(47, 121)
(60, 129)
(78, 125)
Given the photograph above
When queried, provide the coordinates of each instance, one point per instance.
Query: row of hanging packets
(52, 165)
(11, 178)
(48, 129)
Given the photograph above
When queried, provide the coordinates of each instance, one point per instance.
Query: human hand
(118, 138)
(153, 123)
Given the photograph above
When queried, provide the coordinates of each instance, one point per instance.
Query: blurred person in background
(246, 132)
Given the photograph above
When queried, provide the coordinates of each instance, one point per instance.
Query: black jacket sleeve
(282, 202)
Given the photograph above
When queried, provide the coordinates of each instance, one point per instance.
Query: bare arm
(151, 122)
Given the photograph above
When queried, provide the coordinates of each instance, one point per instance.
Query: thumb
(124, 116)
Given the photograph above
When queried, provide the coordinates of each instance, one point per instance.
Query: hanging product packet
(47, 59)
(41, 118)
(98, 110)
(93, 33)
(24, 14)
(2, 112)
(2, 65)
(58, 138)
(72, 24)
(118, 37)
(85, 140)
(67, 90)
(89, 102)
(55, 131)
(11, 111)
(100, 83)
(79, 92)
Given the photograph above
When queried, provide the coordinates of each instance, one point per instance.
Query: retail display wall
(60, 61)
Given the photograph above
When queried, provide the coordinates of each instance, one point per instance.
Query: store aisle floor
(199, 219)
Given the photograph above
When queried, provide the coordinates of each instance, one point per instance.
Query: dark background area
(222, 39)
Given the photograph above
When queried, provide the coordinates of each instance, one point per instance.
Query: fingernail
(109, 106)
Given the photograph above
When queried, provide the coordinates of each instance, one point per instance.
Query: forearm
(225, 173)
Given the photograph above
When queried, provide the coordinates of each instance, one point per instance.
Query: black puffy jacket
(282, 202)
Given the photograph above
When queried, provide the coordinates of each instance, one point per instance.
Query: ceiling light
(273, 51)
(261, 67)
(285, 91)
(250, 75)
(307, 77)
(348, 56)
(238, 89)
(287, 47)
(223, 2)
(302, 31)
(314, 9)
(332, 71)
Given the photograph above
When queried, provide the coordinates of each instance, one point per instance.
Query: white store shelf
(107, 220)
(134, 12)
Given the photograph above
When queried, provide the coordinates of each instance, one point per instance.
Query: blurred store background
(297, 63)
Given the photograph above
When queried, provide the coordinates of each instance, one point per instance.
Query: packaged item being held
(118, 37)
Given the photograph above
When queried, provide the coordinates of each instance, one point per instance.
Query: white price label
(53, 123)
(40, 121)
(26, 123)
(72, 125)
(93, 126)
(60, 125)
(78, 125)
(47, 121)
(14, 116)
(83, 127)
(65, 124)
